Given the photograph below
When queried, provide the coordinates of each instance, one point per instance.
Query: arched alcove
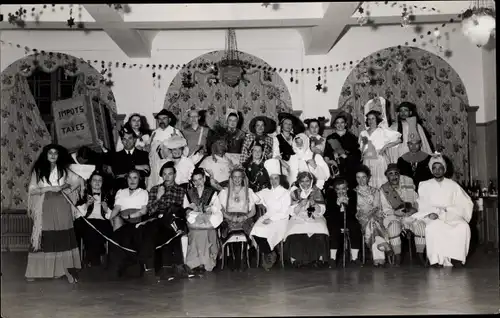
(23, 132)
(262, 93)
(411, 74)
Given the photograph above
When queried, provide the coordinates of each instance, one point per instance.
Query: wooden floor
(408, 290)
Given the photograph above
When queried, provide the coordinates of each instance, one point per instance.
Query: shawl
(35, 202)
(313, 193)
(392, 196)
(206, 197)
(304, 152)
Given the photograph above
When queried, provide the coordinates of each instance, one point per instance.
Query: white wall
(134, 91)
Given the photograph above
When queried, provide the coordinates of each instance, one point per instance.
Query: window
(47, 88)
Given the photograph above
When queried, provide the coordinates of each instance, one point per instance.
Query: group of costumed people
(176, 196)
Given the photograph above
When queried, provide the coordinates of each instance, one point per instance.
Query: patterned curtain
(261, 93)
(418, 76)
(23, 135)
(23, 132)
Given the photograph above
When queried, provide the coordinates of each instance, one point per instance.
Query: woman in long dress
(270, 228)
(376, 140)
(52, 190)
(370, 216)
(140, 126)
(306, 238)
(305, 160)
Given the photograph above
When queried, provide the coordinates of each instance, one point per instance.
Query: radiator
(16, 231)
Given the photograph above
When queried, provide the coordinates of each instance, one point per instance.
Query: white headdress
(232, 111)
(436, 157)
(377, 104)
(176, 141)
(272, 166)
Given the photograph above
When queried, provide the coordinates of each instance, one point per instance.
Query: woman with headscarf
(203, 216)
(306, 238)
(95, 206)
(260, 127)
(270, 228)
(376, 140)
(52, 191)
(409, 126)
(238, 206)
(305, 160)
(139, 124)
(344, 148)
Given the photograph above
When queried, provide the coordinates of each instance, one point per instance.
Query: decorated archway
(260, 93)
(411, 74)
(23, 132)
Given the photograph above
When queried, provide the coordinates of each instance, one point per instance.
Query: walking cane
(346, 233)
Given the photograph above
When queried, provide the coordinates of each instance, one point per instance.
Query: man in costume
(176, 150)
(447, 210)
(399, 200)
(415, 163)
(196, 136)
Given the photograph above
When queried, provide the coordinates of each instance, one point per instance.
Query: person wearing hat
(408, 126)
(415, 163)
(260, 127)
(398, 200)
(196, 136)
(376, 140)
(447, 210)
(270, 228)
(344, 148)
(166, 129)
(175, 149)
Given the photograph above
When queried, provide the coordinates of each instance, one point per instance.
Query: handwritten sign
(74, 122)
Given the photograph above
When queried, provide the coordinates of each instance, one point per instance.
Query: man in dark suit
(123, 161)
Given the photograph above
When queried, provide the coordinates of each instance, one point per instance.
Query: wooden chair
(236, 238)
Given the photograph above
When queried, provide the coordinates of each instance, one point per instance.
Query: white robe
(447, 237)
(277, 201)
(158, 137)
(300, 223)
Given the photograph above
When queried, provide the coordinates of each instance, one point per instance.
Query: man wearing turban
(447, 210)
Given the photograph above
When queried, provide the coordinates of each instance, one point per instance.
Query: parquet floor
(408, 290)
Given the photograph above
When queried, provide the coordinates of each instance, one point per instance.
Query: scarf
(237, 202)
(304, 152)
(204, 200)
(392, 196)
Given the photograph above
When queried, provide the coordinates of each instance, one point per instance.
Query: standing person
(129, 158)
(203, 216)
(139, 124)
(371, 218)
(166, 129)
(95, 206)
(54, 250)
(175, 149)
(344, 148)
(196, 136)
(415, 163)
(260, 127)
(447, 210)
(410, 128)
(270, 228)
(376, 140)
(315, 133)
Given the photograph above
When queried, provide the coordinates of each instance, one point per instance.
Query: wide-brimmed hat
(269, 124)
(343, 114)
(298, 125)
(173, 118)
(174, 142)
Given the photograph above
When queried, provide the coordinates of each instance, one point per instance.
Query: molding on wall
(473, 156)
(486, 124)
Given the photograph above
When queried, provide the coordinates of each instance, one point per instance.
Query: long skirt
(306, 249)
(202, 249)
(59, 248)
(94, 243)
(377, 169)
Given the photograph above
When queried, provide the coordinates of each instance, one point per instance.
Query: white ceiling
(321, 24)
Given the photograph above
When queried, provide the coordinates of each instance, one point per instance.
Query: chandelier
(478, 22)
(231, 67)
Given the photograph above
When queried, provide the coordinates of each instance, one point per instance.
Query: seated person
(446, 209)
(238, 207)
(341, 200)
(130, 206)
(165, 204)
(218, 165)
(177, 151)
(415, 163)
(306, 238)
(203, 217)
(95, 206)
(270, 228)
(129, 158)
(371, 218)
(305, 160)
(256, 172)
(399, 200)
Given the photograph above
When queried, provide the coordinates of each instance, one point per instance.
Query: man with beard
(399, 200)
(166, 129)
(446, 209)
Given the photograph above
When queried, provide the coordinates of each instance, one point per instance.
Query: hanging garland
(406, 18)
